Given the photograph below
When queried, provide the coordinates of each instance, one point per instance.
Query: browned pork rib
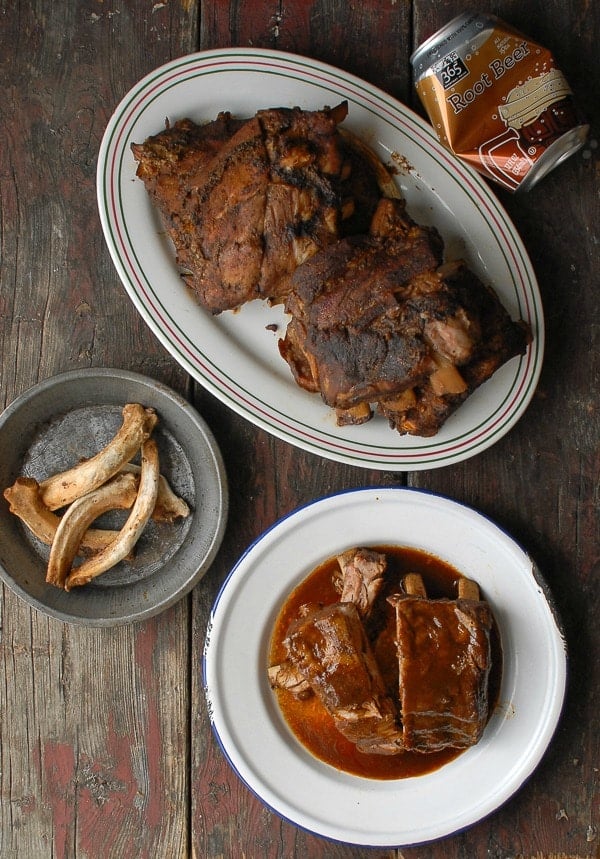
(444, 662)
(470, 345)
(361, 577)
(171, 162)
(246, 202)
(285, 675)
(346, 337)
(359, 580)
(331, 651)
(379, 320)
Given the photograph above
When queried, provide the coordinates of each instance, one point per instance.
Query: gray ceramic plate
(73, 415)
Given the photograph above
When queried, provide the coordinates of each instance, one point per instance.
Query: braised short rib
(418, 683)
(444, 660)
(331, 650)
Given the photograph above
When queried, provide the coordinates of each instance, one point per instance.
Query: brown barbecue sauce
(309, 720)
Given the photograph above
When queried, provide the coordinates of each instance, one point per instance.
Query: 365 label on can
(450, 70)
(497, 100)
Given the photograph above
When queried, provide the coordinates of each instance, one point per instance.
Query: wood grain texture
(94, 733)
(541, 481)
(106, 747)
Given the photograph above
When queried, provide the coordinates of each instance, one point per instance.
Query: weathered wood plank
(367, 39)
(94, 722)
(540, 482)
(94, 757)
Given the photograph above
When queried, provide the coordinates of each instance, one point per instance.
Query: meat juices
(341, 654)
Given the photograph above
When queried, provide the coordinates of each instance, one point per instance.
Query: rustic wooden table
(106, 748)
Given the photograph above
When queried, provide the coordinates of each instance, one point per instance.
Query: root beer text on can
(497, 100)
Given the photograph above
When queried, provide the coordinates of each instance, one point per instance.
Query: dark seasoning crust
(290, 208)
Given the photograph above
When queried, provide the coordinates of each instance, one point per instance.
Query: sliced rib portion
(330, 649)
(359, 581)
(444, 662)
(245, 202)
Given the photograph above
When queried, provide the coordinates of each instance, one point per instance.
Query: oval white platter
(315, 796)
(235, 355)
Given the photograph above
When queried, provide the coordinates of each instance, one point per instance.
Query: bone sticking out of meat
(414, 585)
(361, 577)
(444, 658)
(468, 589)
(331, 650)
(354, 416)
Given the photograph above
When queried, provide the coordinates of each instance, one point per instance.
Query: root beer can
(497, 100)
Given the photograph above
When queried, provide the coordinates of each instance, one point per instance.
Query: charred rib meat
(246, 202)
(379, 319)
(287, 206)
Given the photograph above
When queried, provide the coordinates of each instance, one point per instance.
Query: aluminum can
(497, 100)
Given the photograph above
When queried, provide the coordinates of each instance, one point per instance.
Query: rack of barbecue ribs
(443, 653)
(380, 320)
(246, 202)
